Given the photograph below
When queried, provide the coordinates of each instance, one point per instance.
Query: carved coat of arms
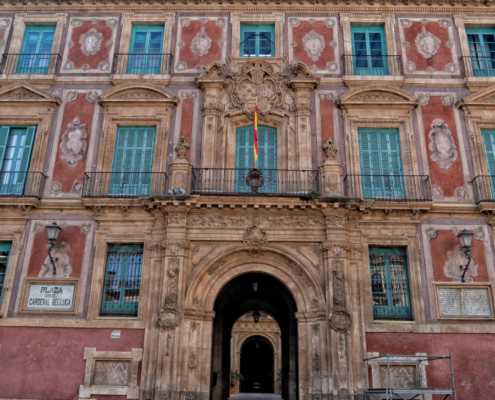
(442, 144)
(257, 80)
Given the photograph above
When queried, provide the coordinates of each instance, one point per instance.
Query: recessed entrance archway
(257, 365)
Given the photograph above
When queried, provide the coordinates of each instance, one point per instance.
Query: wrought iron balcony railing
(358, 64)
(124, 184)
(389, 187)
(22, 184)
(37, 63)
(478, 67)
(142, 64)
(483, 188)
(266, 182)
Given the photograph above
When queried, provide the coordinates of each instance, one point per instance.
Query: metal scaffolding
(389, 392)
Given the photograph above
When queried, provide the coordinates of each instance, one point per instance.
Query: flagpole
(255, 132)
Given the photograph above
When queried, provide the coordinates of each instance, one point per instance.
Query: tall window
(267, 157)
(389, 283)
(4, 262)
(122, 280)
(16, 145)
(133, 161)
(145, 50)
(381, 166)
(489, 145)
(368, 46)
(257, 41)
(481, 43)
(36, 48)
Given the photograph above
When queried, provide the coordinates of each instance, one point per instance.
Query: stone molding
(92, 357)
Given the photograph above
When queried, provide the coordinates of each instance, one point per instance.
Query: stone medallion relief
(454, 266)
(427, 44)
(201, 43)
(74, 144)
(60, 255)
(314, 44)
(442, 144)
(91, 42)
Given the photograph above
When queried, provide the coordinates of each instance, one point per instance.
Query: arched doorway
(257, 359)
(239, 296)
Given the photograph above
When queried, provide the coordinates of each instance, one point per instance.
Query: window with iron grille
(4, 262)
(122, 280)
(389, 284)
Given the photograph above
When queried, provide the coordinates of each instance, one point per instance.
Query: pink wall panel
(326, 109)
(472, 356)
(76, 54)
(187, 120)
(300, 54)
(47, 363)
(189, 32)
(446, 242)
(63, 173)
(451, 178)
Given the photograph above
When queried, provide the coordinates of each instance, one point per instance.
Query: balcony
(15, 185)
(37, 68)
(372, 69)
(124, 184)
(389, 187)
(479, 71)
(246, 182)
(483, 188)
(152, 67)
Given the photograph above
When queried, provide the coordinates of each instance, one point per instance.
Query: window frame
(257, 29)
(3, 244)
(369, 70)
(486, 71)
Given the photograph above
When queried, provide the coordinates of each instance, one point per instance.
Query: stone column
(212, 85)
(331, 172)
(180, 175)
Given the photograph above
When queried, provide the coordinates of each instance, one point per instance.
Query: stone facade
(202, 239)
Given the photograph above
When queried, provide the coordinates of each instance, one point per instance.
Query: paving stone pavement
(255, 396)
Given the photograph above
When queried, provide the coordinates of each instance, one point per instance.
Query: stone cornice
(472, 6)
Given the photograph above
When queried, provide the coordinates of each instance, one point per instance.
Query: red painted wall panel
(47, 363)
(73, 236)
(326, 109)
(472, 356)
(187, 121)
(451, 179)
(63, 173)
(75, 53)
(440, 59)
(189, 32)
(300, 54)
(446, 242)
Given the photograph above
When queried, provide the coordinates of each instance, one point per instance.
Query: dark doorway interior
(257, 366)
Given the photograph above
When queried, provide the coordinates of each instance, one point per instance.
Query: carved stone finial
(212, 71)
(182, 148)
(301, 70)
(330, 149)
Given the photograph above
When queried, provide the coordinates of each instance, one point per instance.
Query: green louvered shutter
(489, 144)
(481, 42)
(35, 50)
(4, 137)
(133, 161)
(4, 263)
(381, 166)
(145, 49)
(257, 41)
(369, 50)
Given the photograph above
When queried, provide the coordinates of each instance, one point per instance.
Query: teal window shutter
(381, 165)
(145, 52)
(489, 145)
(122, 280)
(267, 157)
(36, 49)
(481, 42)
(369, 50)
(4, 263)
(257, 41)
(389, 284)
(133, 161)
(16, 147)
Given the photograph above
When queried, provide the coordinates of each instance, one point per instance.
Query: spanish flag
(255, 132)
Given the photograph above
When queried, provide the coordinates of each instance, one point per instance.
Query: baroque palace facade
(129, 125)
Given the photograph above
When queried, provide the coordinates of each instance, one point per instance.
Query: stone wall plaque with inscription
(112, 373)
(465, 302)
(50, 297)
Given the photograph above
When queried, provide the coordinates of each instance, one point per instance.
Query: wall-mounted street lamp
(52, 231)
(256, 315)
(466, 239)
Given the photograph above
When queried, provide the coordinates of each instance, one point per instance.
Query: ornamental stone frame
(429, 231)
(243, 18)
(360, 109)
(131, 19)
(462, 22)
(20, 22)
(388, 22)
(332, 24)
(136, 105)
(460, 142)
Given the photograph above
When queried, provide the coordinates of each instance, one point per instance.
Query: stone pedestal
(180, 175)
(331, 178)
